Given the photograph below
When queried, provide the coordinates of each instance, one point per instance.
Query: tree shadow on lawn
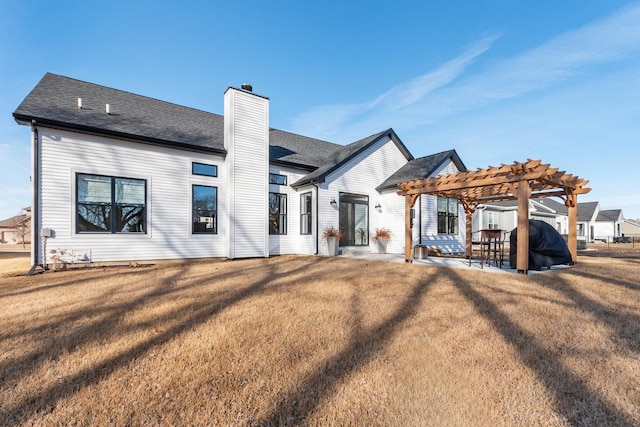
(183, 318)
(296, 407)
(574, 398)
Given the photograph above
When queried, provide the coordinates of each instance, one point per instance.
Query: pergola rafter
(519, 181)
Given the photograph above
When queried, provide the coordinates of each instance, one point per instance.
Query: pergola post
(409, 201)
(572, 238)
(523, 191)
(469, 232)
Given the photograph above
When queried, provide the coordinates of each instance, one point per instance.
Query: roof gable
(342, 155)
(422, 167)
(586, 211)
(609, 215)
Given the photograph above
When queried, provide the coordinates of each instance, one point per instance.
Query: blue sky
(497, 80)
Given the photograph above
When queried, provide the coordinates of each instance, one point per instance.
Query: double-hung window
(204, 206)
(305, 213)
(108, 204)
(447, 216)
(277, 213)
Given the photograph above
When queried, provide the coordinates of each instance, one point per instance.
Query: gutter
(317, 217)
(35, 207)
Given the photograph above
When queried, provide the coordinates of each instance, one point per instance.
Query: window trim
(215, 211)
(284, 215)
(113, 221)
(306, 217)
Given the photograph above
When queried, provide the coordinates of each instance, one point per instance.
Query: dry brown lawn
(321, 341)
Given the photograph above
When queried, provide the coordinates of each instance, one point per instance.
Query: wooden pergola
(519, 181)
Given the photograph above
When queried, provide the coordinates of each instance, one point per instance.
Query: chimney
(246, 139)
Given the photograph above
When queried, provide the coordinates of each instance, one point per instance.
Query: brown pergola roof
(518, 181)
(497, 183)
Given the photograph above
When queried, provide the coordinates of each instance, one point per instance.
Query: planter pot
(333, 243)
(382, 247)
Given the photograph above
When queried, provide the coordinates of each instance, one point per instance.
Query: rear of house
(123, 177)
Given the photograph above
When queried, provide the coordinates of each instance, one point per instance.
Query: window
(277, 213)
(354, 219)
(447, 216)
(204, 206)
(274, 178)
(581, 230)
(202, 169)
(492, 221)
(106, 204)
(305, 213)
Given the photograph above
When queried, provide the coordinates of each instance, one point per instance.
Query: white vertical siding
(246, 123)
(360, 176)
(429, 228)
(168, 176)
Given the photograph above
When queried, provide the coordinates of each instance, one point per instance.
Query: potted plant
(332, 235)
(382, 236)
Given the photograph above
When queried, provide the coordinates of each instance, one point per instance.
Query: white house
(123, 177)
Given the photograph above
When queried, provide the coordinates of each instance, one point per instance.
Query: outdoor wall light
(378, 206)
(333, 202)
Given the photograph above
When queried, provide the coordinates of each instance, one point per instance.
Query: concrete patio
(444, 261)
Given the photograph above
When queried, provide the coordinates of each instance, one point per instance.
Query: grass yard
(321, 341)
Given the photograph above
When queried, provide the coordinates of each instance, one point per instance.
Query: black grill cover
(546, 246)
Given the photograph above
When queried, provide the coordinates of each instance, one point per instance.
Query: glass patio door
(354, 219)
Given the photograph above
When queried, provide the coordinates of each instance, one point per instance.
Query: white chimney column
(246, 139)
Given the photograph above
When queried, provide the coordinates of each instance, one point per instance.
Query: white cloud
(446, 91)
(323, 119)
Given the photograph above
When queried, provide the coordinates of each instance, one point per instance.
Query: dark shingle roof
(54, 103)
(422, 167)
(586, 211)
(289, 148)
(609, 215)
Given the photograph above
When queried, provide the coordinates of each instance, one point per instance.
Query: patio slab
(444, 261)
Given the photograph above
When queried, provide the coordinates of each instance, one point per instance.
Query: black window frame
(448, 220)
(277, 218)
(275, 178)
(115, 226)
(306, 213)
(201, 173)
(194, 214)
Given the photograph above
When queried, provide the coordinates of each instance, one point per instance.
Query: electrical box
(46, 232)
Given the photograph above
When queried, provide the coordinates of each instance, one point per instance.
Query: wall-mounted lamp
(378, 206)
(333, 202)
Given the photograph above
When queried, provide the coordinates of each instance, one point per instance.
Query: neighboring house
(120, 177)
(17, 229)
(593, 223)
(631, 227)
(608, 225)
(504, 215)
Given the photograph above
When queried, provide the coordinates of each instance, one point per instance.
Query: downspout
(35, 207)
(317, 218)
